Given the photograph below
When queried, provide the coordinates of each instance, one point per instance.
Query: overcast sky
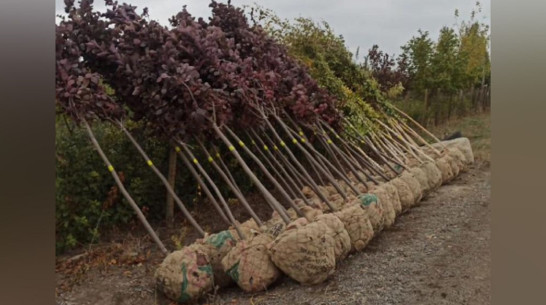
(387, 23)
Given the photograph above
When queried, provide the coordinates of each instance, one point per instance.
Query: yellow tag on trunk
(231, 148)
(149, 162)
(110, 168)
(195, 161)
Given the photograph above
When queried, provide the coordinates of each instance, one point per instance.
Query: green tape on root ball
(185, 275)
(249, 263)
(368, 199)
(217, 246)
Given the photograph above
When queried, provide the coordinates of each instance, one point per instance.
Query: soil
(436, 253)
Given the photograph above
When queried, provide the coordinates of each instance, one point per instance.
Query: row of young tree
(215, 91)
(191, 83)
(432, 80)
(442, 78)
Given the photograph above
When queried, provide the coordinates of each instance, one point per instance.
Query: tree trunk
(427, 106)
(169, 208)
(124, 192)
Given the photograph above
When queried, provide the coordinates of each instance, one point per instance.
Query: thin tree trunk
(203, 185)
(164, 180)
(419, 125)
(318, 155)
(169, 208)
(269, 197)
(300, 167)
(232, 186)
(293, 185)
(227, 210)
(266, 172)
(128, 197)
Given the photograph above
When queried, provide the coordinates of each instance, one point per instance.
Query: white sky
(387, 23)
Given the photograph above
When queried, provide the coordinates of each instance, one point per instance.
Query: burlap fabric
(453, 164)
(358, 226)
(434, 176)
(345, 187)
(373, 210)
(307, 192)
(445, 169)
(394, 197)
(413, 184)
(306, 254)
(336, 200)
(217, 246)
(412, 161)
(342, 240)
(388, 172)
(459, 157)
(275, 226)
(246, 227)
(422, 178)
(310, 213)
(384, 201)
(330, 190)
(463, 144)
(406, 195)
(249, 263)
(185, 275)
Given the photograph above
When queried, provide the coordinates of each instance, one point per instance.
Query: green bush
(86, 201)
(84, 186)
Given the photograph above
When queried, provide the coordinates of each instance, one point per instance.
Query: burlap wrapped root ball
(308, 192)
(342, 240)
(453, 163)
(358, 226)
(249, 264)
(434, 176)
(413, 184)
(384, 201)
(394, 195)
(185, 275)
(305, 253)
(217, 247)
(374, 212)
(405, 194)
(246, 228)
(463, 144)
(336, 200)
(310, 213)
(444, 166)
(422, 178)
(459, 157)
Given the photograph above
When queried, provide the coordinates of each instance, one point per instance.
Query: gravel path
(437, 253)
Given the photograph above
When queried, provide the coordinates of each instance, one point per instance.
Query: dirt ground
(437, 253)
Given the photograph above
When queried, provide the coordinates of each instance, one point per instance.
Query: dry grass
(477, 128)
